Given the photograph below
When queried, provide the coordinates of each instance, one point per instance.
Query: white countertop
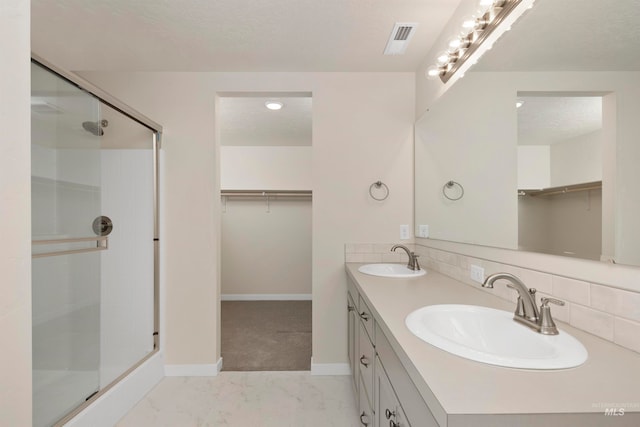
(611, 375)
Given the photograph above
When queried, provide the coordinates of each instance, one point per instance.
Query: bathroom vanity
(400, 380)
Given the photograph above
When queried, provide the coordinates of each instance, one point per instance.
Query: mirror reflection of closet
(560, 173)
(265, 178)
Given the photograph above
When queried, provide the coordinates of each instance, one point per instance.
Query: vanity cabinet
(385, 394)
(415, 384)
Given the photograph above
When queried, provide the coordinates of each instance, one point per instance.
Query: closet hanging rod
(552, 191)
(265, 193)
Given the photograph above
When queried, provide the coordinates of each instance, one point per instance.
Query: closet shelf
(551, 191)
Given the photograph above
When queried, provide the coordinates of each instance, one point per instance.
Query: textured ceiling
(545, 120)
(233, 35)
(570, 35)
(246, 121)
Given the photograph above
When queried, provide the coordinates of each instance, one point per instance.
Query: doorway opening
(265, 180)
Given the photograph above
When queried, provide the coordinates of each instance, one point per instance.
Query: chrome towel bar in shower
(102, 244)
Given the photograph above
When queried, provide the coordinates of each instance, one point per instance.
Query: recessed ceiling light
(273, 105)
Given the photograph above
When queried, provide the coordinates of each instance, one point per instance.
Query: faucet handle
(413, 261)
(545, 301)
(547, 325)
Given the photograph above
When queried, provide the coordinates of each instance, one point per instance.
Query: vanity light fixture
(474, 31)
(274, 105)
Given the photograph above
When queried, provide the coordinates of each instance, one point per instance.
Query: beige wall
(15, 218)
(566, 224)
(362, 132)
(265, 168)
(266, 245)
(573, 161)
(577, 160)
(534, 166)
(266, 250)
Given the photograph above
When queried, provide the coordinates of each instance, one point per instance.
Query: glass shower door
(66, 246)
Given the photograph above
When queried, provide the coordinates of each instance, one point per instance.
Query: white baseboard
(204, 370)
(330, 368)
(107, 410)
(265, 297)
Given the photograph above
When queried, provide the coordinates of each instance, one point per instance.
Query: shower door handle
(102, 226)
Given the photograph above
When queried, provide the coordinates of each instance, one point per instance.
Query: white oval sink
(492, 336)
(390, 270)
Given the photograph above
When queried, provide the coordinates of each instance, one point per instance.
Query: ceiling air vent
(400, 38)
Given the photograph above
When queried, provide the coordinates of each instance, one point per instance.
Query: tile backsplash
(610, 313)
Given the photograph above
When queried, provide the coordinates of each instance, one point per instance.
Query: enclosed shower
(94, 243)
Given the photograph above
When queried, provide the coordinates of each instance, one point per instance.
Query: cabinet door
(364, 409)
(366, 359)
(352, 345)
(387, 409)
(414, 406)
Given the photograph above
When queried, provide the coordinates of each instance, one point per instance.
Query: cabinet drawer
(367, 318)
(366, 359)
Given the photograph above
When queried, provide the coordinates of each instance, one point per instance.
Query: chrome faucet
(526, 311)
(413, 258)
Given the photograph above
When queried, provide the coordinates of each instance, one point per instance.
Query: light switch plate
(476, 273)
(423, 231)
(404, 232)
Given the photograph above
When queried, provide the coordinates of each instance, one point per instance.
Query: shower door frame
(156, 128)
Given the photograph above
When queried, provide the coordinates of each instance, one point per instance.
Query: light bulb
(484, 6)
(433, 72)
(443, 58)
(273, 105)
(469, 22)
(455, 43)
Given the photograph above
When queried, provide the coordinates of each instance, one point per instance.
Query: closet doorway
(265, 179)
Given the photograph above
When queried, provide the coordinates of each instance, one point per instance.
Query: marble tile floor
(248, 399)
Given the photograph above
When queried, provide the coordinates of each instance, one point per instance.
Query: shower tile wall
(60, 201)
(126, 300)
(65, 289)
(85, 333)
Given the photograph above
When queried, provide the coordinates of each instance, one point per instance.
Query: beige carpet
(266, 335)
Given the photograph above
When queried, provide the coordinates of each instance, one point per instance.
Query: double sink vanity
(426, 350)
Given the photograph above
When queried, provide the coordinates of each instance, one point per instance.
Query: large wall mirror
(543, 135)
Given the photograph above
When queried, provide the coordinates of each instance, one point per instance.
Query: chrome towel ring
(449, 187)
(379, 185)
